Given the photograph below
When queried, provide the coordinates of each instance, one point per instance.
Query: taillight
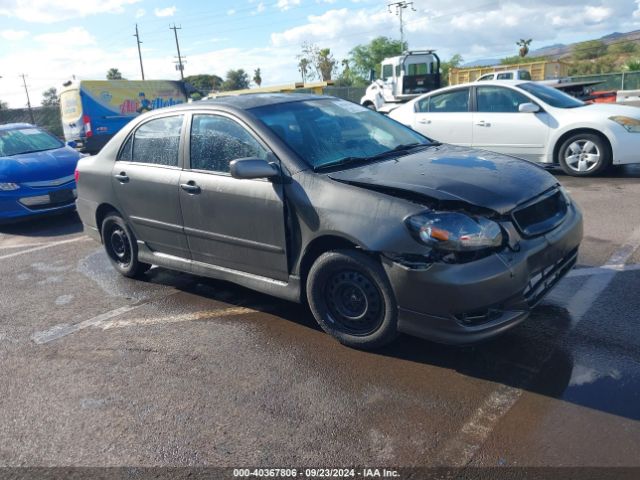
(76, 175)
(87, 125)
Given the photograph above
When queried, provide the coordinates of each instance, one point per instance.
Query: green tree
(257, 77)
(367, 57)
(114, 74)
(50, 98)
(319, 62)
(303, 68)
(633, 65)
(203, 84)
(326, 64)
(454, 62)
(588, 50)
(236, 80)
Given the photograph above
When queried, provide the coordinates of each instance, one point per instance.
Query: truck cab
(402, 78)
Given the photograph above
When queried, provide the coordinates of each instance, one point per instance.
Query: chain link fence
(612, 81)
(45, 117)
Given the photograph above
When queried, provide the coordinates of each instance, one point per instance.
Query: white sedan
(528, 120)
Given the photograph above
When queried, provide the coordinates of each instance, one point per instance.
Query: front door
(445, 117)
(236, 224)
(499, 126)
(146, 178)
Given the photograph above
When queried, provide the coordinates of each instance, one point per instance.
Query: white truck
(402, 78)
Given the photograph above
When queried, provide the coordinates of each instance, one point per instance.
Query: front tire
(351, 299)
(584, 154)
(121, 247)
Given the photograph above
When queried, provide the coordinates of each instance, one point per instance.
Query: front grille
(55, 199)
(541, 215)
(541, 282)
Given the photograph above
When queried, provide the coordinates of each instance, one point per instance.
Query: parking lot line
(461, 449)
(587, 272)
(42, 247)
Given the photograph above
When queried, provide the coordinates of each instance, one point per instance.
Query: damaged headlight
(454, 231)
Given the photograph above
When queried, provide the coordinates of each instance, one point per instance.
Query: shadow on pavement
(50, 226)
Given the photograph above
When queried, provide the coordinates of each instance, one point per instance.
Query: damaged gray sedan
(316, 199)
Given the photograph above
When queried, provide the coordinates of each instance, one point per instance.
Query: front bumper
(36, 201)
(470, 302)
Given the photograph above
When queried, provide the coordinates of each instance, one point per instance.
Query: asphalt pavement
(178, 370)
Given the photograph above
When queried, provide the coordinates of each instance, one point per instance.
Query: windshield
(551, 96)
(325, 131)
(26, 140)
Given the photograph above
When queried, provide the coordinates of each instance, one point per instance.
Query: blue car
(36, 172)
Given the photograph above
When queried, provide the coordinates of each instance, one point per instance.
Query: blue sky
(50, 40)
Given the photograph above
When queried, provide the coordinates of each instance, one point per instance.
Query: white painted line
(42, 247)
(587, 272)
(183, 317)
(65, 329)
(460, 450)
(24, 245)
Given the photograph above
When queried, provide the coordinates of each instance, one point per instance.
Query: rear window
(26, 140)
(155, 142)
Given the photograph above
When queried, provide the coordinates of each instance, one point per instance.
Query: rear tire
(584, 155)
(351, 298)
(121, 247)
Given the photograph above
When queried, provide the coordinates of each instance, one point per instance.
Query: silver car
(319, 200)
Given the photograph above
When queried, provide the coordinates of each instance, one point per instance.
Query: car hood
(450, 173)
(608, 109)
(39, 166)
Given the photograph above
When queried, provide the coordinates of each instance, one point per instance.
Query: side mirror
(528, 108)
(72, 144)
(247, 168)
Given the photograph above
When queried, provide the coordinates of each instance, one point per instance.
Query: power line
(24, 82)
(399, 7)
(137, 35)
(180, 66)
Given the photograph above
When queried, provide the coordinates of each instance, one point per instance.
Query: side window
(484, 78)
(499, 100)
(455, 101)
(505, 76)
(126, 154)
(525, 75)
(157, 141)
(387, 72)
(215, 141)
(422, 105)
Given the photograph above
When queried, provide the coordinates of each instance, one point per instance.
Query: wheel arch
(102, 211)
(562, 138)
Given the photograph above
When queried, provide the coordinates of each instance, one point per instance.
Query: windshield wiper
(394, 151)
(341, 161)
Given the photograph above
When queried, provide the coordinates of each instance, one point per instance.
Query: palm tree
(303, 67)
(257, 77)
(524, 46)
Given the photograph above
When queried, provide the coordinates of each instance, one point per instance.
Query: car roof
(13, 126)
(510, 83)
(252, 100)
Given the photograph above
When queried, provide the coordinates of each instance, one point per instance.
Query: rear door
(445, 117)
(146, 179)
(499, 126)
(236, 224)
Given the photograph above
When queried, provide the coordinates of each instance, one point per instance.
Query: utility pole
(180, 66)
(139, 53)
(24, 82)
(399, 7)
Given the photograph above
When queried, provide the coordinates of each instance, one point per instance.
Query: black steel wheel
(121, 246)
(351, 298)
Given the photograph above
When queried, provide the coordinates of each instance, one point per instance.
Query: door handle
(424, 120)
(190, 187)
(482, 123)
(122, 177)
